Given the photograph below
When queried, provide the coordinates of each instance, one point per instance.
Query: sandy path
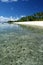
(37, 23)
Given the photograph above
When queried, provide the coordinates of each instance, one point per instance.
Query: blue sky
(18, 8)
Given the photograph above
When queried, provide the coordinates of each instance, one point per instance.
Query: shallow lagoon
(20, 45)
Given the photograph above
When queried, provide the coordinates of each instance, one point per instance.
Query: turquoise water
(20, 45)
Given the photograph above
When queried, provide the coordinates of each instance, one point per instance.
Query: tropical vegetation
(35, 17)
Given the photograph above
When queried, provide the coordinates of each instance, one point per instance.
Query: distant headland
(35, 17)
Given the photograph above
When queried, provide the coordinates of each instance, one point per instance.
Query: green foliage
(38, 14)
(36, 17)
(10, 22)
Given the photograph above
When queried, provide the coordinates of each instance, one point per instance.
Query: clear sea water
(20, 45)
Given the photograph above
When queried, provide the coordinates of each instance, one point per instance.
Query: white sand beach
(36, 23)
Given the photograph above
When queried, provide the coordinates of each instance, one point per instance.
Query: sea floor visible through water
(21, 45)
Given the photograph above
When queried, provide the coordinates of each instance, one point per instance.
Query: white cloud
(17, 18)
(5, 19)
(12, 0)
(22, 15)
(9, 0)
(4, 0)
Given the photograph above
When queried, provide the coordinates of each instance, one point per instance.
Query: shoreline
(32, 23)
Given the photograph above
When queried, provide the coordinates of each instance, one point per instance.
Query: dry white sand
(37, 23)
